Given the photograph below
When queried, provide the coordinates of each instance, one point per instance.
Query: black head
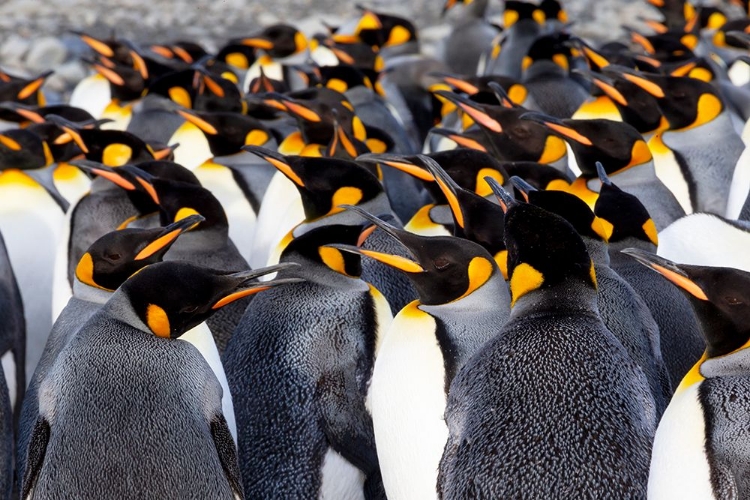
(172, 297)
(624, 213)
(116, 256)
(178, 200)
(23, 149)
(314, 246)
(616, 145)
(114, 147)
(554, 47)
(226, 133)
(381, 30)
(544, 250)
(23, 90)
(324, 183)
(344, 77)
(168, 170)
(569, 207)
(237, 55)
(442, 268)
(516, 11)
(278, 41)
(637, 107)
(719, 296)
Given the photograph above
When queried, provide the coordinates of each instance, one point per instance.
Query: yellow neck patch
(501, 258)
(346, 195)
(650, 229)
(238, 60)
(524, 280)
(256, 138)
(517, 93)
(693, 376)
(158, 321)
(581, 189)
(592, 275)
(709, 107)
(554, 150)
(85, 271)
(333, 258)
(116, 155)
(184, 212)
(180, 96)
(482, 187)
(480, 270)
(603, 228)
(398, 36)
(293, 144)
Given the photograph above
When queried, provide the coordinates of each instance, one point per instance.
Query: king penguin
(537, 374)
(174, 443)
(463, 298)
(698, 449)
(299, 366)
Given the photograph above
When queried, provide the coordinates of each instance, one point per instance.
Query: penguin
(632, 227)
(626, 158)
(470, 36)
(521, 28)
(621, 309)
(208, 245)
(685, 155)
(12, 337)
(281, 45)
(553, 308)
(392, 36)
(696, 451)
(23, 90)
(32, 212)
(176, 390)
(108, 262)
(706, 240)
(299, 364)
(462, 300)
(324, 185)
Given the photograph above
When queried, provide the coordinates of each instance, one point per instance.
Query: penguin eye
(113, 256)
(190, 309)
(441, 263)
(733, 301)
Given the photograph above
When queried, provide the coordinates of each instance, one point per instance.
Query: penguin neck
(201, 240)
(89, 293)
(631, 242)
(565, 298)
(598, 250)
(638, 175)
(120, 308)
(492, 295)
(379, 207)
(320, 274)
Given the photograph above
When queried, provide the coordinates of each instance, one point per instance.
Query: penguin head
(23, 90)
(380, 31)
(685, 102)
(23, 149)
(226, 132)
(111, 147)
(170, 298)
(544, 250)
(278, 41)
(139, 192)
(443, 269)
(517, 10)
(624, 212)
(719, 296)
(187, 52)
(325, 184)
(554, 47)
(315, 247)
(114, 257)
(637, 107)
(475, 218)
(616, 145)
(569, 207)
(237, 55)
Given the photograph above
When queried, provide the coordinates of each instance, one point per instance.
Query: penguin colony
(333, 267)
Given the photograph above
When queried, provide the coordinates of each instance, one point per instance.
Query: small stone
(46, 53)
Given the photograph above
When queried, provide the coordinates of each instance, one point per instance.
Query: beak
(33, 86)
(607, 85)
(459, 139)
(160, 154)
(293, 106)
(502, 95)
(472, 109)
(70, 132)
(242, 284)
(458, 83)
(644, 83)
(503, 197)
(23, 111)
(277, 160)
(110, 74)
(199, 122)
(104, 171)
(144, 179)
(603, 174)
(9, 143)
(398, 162)
(257, 42)
(169, 235)
(524, 187)
(395, 261)
(669, 270)
(98, 46)
(447, 185)
(558, 126)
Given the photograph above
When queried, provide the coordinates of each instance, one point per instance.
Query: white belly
(92, 94)
(740, 186)
(201, 338)
(407, 402)
(669, 172)
(679, 468)
(341, 480)
(193, 149)
(9, 371)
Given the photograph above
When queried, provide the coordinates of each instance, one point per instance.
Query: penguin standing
(556, 342)
(175, 442)
(463, 298)
(298, 365)
(470, 36)
(632, 227)
(697, 449)
(107, 263)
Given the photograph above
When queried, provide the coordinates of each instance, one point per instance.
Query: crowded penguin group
(328, 265)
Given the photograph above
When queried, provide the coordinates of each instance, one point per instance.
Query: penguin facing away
(553, 326)
(299, 365)
(697, 453)
(125, 352)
